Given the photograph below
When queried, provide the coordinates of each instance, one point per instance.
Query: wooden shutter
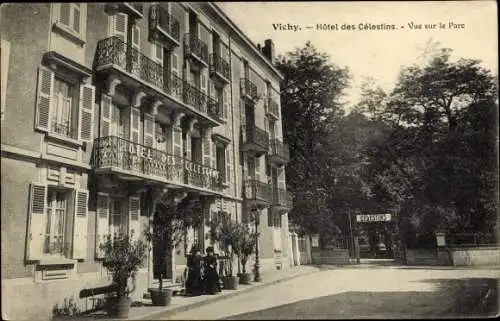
(136, 44)
(206, 148)
(120, 26)
(177, 141)
(187, 145)
(86, 112)
(80, 224)
(44, 98)
(281, 178)
(149, 130)
(242, 113)
(226, 102)
(134, 213)
(257, 168)
(64, 13)
(38, 199)
(228, 164)
(135, 125)
(204, 81)
(158, 53)
(102, 223)
(106, 108)
(214, 155)
(175, 64)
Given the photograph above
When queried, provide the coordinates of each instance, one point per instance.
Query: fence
(471, 240)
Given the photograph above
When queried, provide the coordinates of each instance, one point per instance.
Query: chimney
(268, 50)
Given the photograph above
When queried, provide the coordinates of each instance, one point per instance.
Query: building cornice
(245, 39)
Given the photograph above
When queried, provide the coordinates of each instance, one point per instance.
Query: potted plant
(225, 232)
(122, 258)
(171, 220)
(246, 247)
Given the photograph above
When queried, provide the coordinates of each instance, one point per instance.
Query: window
(55, 223)
(58, 222)
(194, 78)
(221, 162)
(70, 16)
(63, 107)
(117, 220)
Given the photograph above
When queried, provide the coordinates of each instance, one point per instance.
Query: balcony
(249, 90)
(201, 101)
(257, 141)
(282, 199)
(272, 108)
(219, 69)
(133, 161)
(164, 27)
(136, 70)
(196, 49)
(279, 152)
(257, 193)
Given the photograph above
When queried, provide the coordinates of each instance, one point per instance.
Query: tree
(311, 105)
(436, 166)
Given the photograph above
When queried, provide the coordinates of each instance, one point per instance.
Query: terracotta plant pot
(230, 282)
(245, 278)
(118, 307)
(160, 297)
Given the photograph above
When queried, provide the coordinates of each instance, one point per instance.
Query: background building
(102, 104)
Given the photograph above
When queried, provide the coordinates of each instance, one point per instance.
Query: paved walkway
(354, 292)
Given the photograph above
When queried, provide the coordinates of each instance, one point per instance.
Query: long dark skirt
(211, 280)
(194, 282)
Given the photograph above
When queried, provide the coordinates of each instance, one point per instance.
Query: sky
(470, 29)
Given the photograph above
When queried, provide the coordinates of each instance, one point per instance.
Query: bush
(122, 258)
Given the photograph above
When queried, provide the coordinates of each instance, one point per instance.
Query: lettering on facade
(373, 218)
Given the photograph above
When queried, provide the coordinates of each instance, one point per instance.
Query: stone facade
(103, 104)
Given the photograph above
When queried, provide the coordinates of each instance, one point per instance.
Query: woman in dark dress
(211, 278)
(194, 281)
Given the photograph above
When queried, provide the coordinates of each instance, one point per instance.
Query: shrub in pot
(224, 231)
(122, 258)
(245, 241)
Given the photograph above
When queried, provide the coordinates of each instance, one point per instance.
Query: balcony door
(274, 181)
(193, 24)
(249, 116)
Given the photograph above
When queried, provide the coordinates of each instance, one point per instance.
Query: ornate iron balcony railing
(257, 136)
(249, 89)
(257, 190)
(282, 197)
(159, 17)
(200, 101)
(194, 45)
(219, 65)
(280, 149)
(119, 153)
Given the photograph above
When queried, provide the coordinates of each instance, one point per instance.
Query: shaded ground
(457, 298)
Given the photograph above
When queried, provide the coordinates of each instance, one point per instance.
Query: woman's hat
(194, 249)
(209, 249)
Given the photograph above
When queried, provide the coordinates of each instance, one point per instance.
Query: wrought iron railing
(196, 46)
(273, 106)
(257, 136)
(113, 151)
(280, 149)
(114, 51)
(219, 65)
(159, 17)
(257, 190)
(248, 88)
(282, 197)
(215, 108)
(198, 99)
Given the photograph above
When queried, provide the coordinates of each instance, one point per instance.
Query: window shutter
(228, 164)
(226, 101)
(158, 53)
(134, 213)
(120, 26)
(257, 168)
(187, 146)
(38, 199)
(135, 124)
(242, 113)
(281, 178)
(102, 223)
(175, 64)
(206, 149)
(149, 130)
(44, 98)
(214, 155)
(64, 13)
(76, 17)
(136, 44)
(204, 85)
(80, 224)
(106, 108)
(86, 112)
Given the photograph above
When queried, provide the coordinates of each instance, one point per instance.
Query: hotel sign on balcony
(373, 218)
